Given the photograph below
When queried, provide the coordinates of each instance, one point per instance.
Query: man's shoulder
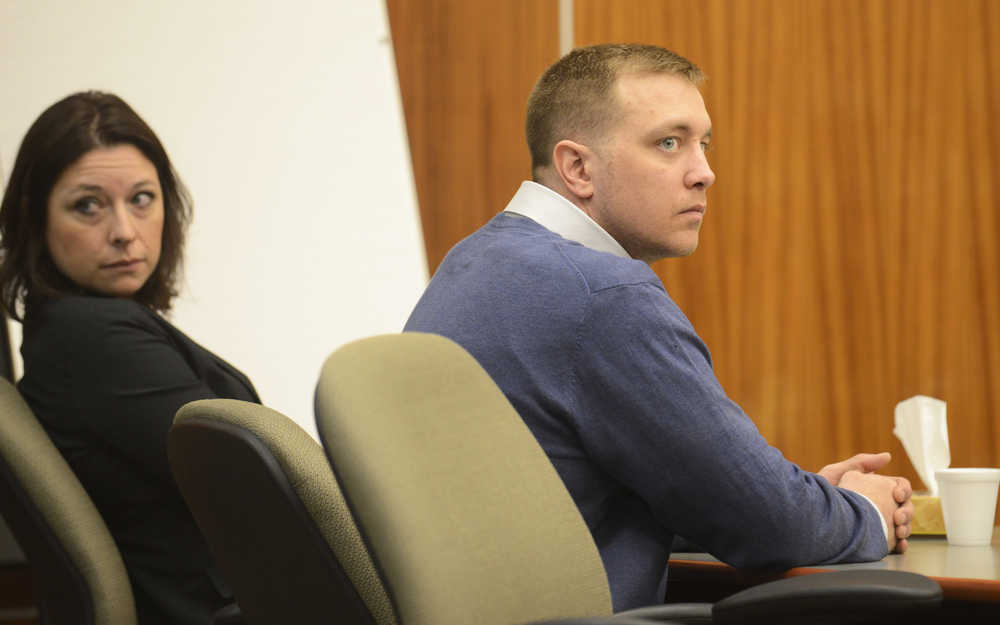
(515, 276)
(522, 245)
(603, 270)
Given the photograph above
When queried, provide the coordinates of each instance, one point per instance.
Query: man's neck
(557, 213)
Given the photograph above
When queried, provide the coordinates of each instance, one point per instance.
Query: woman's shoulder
(82, 318)
(91, 307)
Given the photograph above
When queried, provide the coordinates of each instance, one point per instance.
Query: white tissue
(922, 426)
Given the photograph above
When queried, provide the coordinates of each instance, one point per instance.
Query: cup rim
(968, 474)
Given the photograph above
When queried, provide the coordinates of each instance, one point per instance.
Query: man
(556, 299)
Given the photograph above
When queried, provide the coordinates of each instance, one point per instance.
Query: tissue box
(927, 516)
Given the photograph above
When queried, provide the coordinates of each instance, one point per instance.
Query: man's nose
(700, 175)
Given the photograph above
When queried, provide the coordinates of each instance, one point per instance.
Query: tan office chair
(262, 493)
(467, 520)
(78, 572)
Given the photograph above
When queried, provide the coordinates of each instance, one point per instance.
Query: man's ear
(573, 163)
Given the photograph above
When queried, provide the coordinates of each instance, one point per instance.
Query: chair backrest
(462, 511)
(266, 501)
(6, 350)
(78, 570)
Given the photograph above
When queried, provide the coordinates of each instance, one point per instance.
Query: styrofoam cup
(968, 500)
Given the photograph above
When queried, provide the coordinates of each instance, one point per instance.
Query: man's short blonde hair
(574, 98)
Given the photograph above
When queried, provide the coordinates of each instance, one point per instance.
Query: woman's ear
(573, 163)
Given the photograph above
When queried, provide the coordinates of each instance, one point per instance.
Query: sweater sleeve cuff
(885, 527)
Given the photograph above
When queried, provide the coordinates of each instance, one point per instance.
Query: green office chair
(467, 521)
(269, 507)
(78, 572)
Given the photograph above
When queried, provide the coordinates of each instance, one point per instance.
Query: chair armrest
(838, 596)
(688, 613)
(228, 615)
(603, 620)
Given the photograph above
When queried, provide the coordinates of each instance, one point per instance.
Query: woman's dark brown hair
(62, 134)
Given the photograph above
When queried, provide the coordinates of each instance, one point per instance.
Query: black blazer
(105, 377)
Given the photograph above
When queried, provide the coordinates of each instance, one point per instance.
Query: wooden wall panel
(465, 69)
(850, 254)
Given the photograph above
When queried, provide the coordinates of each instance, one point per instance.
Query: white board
(284, 121)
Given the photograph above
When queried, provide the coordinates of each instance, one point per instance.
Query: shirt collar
(554, 212)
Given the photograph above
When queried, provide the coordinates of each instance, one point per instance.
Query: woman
(92, 225)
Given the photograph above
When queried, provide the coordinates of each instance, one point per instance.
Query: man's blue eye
(670, 143)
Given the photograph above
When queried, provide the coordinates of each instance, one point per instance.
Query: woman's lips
(122, 264)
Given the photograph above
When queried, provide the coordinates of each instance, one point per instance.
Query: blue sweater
(615, 384)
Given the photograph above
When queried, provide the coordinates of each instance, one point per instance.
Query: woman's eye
(670, 143)
(86, 205)
(143, 199)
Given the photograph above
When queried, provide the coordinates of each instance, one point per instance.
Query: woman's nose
(122, 229)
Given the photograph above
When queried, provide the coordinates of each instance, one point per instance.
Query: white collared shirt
(554, 212)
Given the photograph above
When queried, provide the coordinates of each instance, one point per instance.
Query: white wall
(284, 121)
